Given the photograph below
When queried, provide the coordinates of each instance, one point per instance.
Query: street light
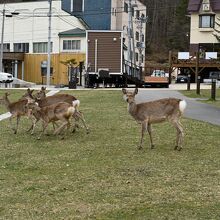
(2, 37)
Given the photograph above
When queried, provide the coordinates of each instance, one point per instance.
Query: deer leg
(62, 126)
(179, 135)
(11, 125)
(59, 129)
(17, 122)
(34, 122)
(143, 129)
(79, 115)
(45, 124)
(149, 129)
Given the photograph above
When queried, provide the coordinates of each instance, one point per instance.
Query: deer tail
(182, 106)
(76, 103)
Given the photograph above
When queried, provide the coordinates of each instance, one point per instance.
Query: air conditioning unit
(206, 7)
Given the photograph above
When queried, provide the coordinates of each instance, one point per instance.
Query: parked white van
(6, 77)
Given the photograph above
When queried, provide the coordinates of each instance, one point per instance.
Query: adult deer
(17, 109)
(168, 109)
(43, 101)
(60, 111)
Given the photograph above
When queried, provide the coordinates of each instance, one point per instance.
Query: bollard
(198, 85)
(213, 89)
(188, 83)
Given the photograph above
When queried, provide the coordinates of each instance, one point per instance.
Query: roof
(77, 32)
(194, 5)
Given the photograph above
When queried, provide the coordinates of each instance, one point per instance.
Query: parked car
(6, 77)
(181, 79)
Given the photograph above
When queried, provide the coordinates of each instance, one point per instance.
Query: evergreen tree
(178, 33)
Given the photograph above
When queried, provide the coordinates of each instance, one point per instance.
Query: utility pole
(2, 38)
(129, 36)
(49, 44)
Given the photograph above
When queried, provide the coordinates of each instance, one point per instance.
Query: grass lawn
(102, 175)
(204, 94)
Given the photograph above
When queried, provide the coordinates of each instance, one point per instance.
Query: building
(26, 37)
(114, 15)
(202, 61)
(203, 16)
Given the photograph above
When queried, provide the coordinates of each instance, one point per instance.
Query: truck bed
(156, 81)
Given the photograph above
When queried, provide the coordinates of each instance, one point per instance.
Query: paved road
(195, 109)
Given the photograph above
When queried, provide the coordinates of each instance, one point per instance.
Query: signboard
(183, 55)
(210, 55)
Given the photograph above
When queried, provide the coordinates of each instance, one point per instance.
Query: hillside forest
(167, 28)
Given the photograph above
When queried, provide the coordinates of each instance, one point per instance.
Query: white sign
(210, 55)
(183, 55)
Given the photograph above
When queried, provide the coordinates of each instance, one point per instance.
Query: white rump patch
(182, 106)
(76, 103)
(71, 110)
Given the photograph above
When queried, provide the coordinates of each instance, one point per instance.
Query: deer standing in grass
(17, 109)
(168, 109)
(60, 111)
(43, 101)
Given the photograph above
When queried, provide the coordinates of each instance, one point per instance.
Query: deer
(61, 111)
(17, 109)
(161, 110)
(43, 101)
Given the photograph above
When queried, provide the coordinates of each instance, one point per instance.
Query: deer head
(41, 94)
(129, 96)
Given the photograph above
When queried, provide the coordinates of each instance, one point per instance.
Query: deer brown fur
(60, 111)
(43, 101)
(17, 109)
(169, 109)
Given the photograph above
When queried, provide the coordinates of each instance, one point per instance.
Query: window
(71, 45)
(137, 36)
(137, 13)
(77, 5)
(41, 47)
(137, 56)
(21, 47)
(132, 10)
(125, 7)
(142, 38)
(206, 21)
(114, 12)
(6, 47)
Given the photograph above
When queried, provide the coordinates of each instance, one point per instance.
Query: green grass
(204, 94)
(102, 175)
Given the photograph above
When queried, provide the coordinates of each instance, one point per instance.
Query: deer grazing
(17, 109)
(60, 111)
(44, 101)
(168, 109)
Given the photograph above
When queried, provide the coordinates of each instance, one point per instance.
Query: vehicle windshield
(158, 73)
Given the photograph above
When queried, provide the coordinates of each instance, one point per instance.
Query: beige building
(204, 15)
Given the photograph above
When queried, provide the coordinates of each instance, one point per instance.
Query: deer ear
(136, 91)
(124, 91)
